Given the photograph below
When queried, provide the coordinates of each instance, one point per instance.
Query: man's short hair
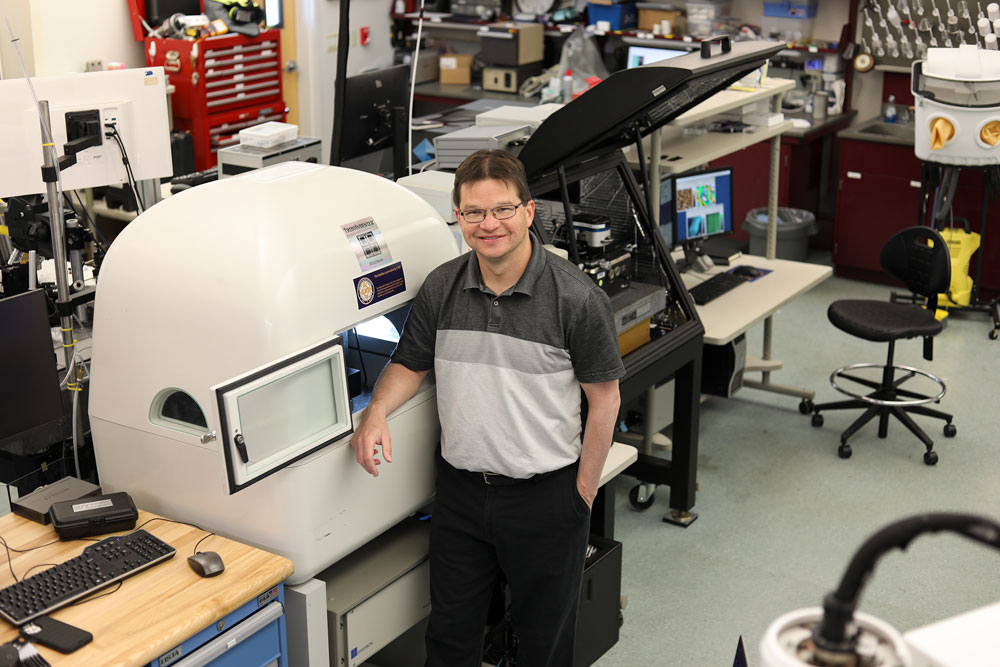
(487, 165)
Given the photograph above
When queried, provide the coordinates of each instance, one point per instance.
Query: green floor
(781, 514)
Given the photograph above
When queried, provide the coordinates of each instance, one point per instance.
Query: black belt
(496, 479)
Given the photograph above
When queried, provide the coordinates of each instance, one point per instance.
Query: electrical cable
(413, 85)
(183, 523)
(114, 134)
(22, 551)
(128, 168)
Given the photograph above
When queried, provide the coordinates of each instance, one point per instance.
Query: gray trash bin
(795, 226)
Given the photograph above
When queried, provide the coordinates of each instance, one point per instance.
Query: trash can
(795, 226)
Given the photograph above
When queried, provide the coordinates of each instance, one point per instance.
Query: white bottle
(567, 86)
(889, 113)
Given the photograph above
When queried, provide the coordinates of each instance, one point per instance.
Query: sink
(881, 129)
(877, 130)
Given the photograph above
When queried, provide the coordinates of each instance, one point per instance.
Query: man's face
(492, 239)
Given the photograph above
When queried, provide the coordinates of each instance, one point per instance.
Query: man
(513, 333)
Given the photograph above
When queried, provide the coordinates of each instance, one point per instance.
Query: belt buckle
(486, 477)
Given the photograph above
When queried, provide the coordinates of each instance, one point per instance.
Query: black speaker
(157, 11)
(181, 153)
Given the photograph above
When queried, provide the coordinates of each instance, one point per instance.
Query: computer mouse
(206, 563)
(747, 271)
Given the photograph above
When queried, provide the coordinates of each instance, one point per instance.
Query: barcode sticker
(368, 243)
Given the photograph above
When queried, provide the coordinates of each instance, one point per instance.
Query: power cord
(113, 134)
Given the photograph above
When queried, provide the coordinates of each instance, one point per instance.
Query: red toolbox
(220, 83)
(214, 131)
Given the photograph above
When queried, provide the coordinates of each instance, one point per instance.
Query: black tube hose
(839, 606)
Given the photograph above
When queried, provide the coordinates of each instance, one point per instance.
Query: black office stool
(918, 257)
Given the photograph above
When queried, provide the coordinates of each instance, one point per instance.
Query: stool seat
(882, 321)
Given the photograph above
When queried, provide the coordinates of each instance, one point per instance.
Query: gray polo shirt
(508, 368)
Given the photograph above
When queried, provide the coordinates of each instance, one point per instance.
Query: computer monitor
(702, 208)
(367, 117)
(29, 392)
(643, 55)
(133, 100)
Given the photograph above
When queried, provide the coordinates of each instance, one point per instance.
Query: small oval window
(176, 409)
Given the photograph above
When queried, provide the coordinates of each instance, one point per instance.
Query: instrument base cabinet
(599, 617)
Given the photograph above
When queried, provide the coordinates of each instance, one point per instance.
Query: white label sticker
(448, 63)
(368, 244)
(95, 505)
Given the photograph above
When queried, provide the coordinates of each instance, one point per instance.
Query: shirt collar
(524, 285)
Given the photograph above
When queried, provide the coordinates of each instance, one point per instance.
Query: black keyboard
(715, 287)
(99, 565)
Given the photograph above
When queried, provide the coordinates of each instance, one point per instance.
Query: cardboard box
(651, 14)
(512, 44)
(456, 68)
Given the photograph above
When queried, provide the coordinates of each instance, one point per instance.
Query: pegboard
(914, 26)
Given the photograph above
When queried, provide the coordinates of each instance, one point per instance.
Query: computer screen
(643, 55)
(367, 112)
(703, 205)
(29, 393)
(134, 100)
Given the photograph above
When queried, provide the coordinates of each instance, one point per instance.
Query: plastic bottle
(567, 86)
(889, 113)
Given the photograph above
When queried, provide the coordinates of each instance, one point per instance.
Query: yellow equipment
(961, 246)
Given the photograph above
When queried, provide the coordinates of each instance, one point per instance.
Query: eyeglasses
(477, 215)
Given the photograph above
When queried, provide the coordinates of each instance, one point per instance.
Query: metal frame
(842, 372)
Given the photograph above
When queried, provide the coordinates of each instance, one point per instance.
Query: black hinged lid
(649, 96)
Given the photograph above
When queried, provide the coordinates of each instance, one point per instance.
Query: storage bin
(797, 9)
(619, 17)
(795, 226)
(707, 10)
(268, 134)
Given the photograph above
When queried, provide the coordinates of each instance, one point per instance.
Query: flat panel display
(703, 205)
(29, 392)
(643, 55)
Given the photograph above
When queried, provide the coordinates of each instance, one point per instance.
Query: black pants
(535, 532)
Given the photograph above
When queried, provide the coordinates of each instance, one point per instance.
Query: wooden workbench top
(153, 611)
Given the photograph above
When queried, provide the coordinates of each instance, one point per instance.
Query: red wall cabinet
(878, 194)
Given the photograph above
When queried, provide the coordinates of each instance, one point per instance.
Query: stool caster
(817, 420)
(641, 496)
(994, 334)
(930, 458)
(844, 451)
(950, 430)
(806, 406)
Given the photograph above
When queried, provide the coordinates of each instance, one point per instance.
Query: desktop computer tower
(722, 367)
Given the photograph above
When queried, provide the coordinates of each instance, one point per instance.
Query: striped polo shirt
(508, 368)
